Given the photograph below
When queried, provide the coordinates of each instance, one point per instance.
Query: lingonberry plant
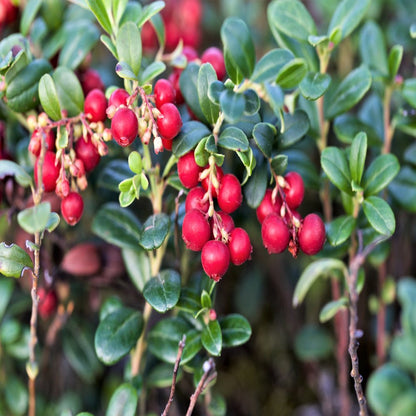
(200, 179)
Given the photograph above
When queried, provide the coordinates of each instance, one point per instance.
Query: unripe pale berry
(87, 151)
(50, 171)
(240, 246)
(118, 97)
(267, 206)
(275, 234)
(95, 105)
(312, 234)
(194, 200)
(164, 92)
(196, 230)
(35, 143)
(295, 190)
(229, 195)
(72, 207)
(215, 57)
(124, 126)
(215, 259)
(205, 182)
(169, 122)
(226, 221)
(188, 170)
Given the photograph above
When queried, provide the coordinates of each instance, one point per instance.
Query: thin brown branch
(175, 374)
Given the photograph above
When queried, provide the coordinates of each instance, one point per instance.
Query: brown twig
(175, 374)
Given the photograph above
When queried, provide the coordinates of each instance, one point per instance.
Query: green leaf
(28, 16)
(256, 186)
(206, 300)
(129, 46)
(214, 91)
(349, 92)
(138, 266)
(6, 290)
(335, 165)
(149, 11)
(163, 290)
(347, 17)
(110, 305)
(117, 334)
(347, 126)
(124, 71)
(123, 402)
(135, 162)
(405, 404)
(275, 98)
(313, 343)
(151, 72)
(269, 65)
(100, 12)
(279, 164)
(238, 48)
(13, 260)
(233, 138)
(48, 97)
(358, 154)
(252, 102)
(249, 162)
(191, 134)
(113, 173)
(379, 215)
(206, 76)
(380, 173)
(292, 18)
(296, 127)
(321, 268)
(314, 85)
(403, 189)
(68, 87)
(108, 43)
(340, 230)
(395, 59)
(235, 330)
(232, 105)
(16, 395)
(22, 92)
(155, 230)
(291, 74)
(9, 168)
(117, 226)
(161, 376)
(264, 135)
(211, 338)
(409, 91)
(332, 308)
(402, 351)
(35, 219)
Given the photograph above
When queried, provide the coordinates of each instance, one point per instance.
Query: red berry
(87, 151)
(72, 207)
(226, 221)
(195, 230)
(167, 144)
(215, 57)
(275, 234)
(149, 38)
(229, 195)
(312, 234)
(194, 200)
(90, 80)
(118, 97)
(50, 171)
(164, 92)
(188, 170)
(48, 301)
(124, 126)
(169, 122)
(240, 246)
(191, 13)
(267, 206)
(295, 189)
(215, 259)
(95, 105)
(35, 143)
(190, 53)
(174, 79)
(205, 181)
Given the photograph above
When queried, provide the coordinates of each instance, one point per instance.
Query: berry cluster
(205, 229)
(282, 226)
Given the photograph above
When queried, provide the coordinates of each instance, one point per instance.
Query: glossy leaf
(395, 59)
(358, 153)
(16, 395)
(279, 164)
(332, 308)
(256, 186)
(123, 402)
(117, 334)
(68, 87)
(214, 91)
(117, 226)
(347, 126)
(321, 268)
(151, 72)
(6, 290)
(252, 102)
(13, 260)
(161, 376)
(138, 266)
(48, 97)
(100, 12)
(206, 76)
(163, 291)
(269, 65)
(155, 230)
(296, 126)
(340, 229)
(149, 11)
(10, 168)
(382, 170)
(314, 85)
(409, 91)
(211, 338)
(233, 138)
(291, 74)
(191, 134)
(379, 215)
(292, 18)
(113, 173)
(28, 16)
(335, 165)
(35, 219)
(349, 92)
(232, 105)
(110, 305)
(264, 135)
(235, 330)
(129, 46)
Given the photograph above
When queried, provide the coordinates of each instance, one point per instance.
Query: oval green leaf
(269, 65)
(314, 85)
(292, 73)
(358, 153)
(10, 168)
(332, 308)
(191, 134)
(339, 230)
(155, 230)
(233, 138)
(211, 338)
(13, 260)
(129, 46)
(236, 330)
(232, 105)
(138, 266)
(123, 402)
(207, 76)
(296, 127)
(68, 87)
(48, 97)
(379, 215)
(35, 219)
(335, 165)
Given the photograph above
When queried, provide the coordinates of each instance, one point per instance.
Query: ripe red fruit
(188, 170)
(90, 80)
(50, 171)
(240, 246)
(48, 301)
(267, 206)
(87, 152)
(275, 234)
(95, 105)
(124, 126)
(196, 230)
(312, 234)
(174, 79)
(215, 57)
(164, 92)
(72, 207)
(205, 181)
(35, 143)
(194, 200)
(167, 144)
(226, 221)
(8, 12)
(295, 191)
(215, 259)
(190, 53)
(229, 195)
(169, 122)
(118, 97)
